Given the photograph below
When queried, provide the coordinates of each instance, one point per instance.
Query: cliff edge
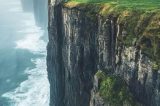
(103, 54)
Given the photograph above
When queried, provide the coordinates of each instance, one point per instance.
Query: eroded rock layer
(83, 40)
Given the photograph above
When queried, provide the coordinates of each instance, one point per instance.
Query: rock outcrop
(83, 40)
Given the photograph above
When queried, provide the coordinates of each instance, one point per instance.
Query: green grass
(120, 1)
(140, 19)
(143, 4)
(114, 90)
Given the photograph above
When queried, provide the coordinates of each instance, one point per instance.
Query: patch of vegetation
(142, 4)
(155, 66)
(139, 21)
(114, 90)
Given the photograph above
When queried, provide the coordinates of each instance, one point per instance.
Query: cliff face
(81, 42)
(40, 12)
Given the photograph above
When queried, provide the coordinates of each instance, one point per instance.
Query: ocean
(23, 40)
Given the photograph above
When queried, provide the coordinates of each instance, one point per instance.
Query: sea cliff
(121, 43)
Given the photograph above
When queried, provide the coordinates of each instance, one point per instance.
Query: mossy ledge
(113, 89)
(139, 24)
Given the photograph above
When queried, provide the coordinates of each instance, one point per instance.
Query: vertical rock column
(55, 66)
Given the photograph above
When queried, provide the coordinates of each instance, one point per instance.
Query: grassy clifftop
(119, 4)
(139, 19)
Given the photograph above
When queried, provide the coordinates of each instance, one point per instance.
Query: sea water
(23, 75)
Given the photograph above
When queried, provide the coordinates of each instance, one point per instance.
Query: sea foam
(35, 90)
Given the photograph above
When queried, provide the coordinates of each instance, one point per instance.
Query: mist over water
(23, 40)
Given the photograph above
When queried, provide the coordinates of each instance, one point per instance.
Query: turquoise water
(23, 40)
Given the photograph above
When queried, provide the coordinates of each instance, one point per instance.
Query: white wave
(16, 9)
(32, 43)
(35, 90)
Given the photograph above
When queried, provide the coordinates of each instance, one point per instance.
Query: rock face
(40, 12)
(82, 42)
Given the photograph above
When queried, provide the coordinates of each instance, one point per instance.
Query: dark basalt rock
(82, 43)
